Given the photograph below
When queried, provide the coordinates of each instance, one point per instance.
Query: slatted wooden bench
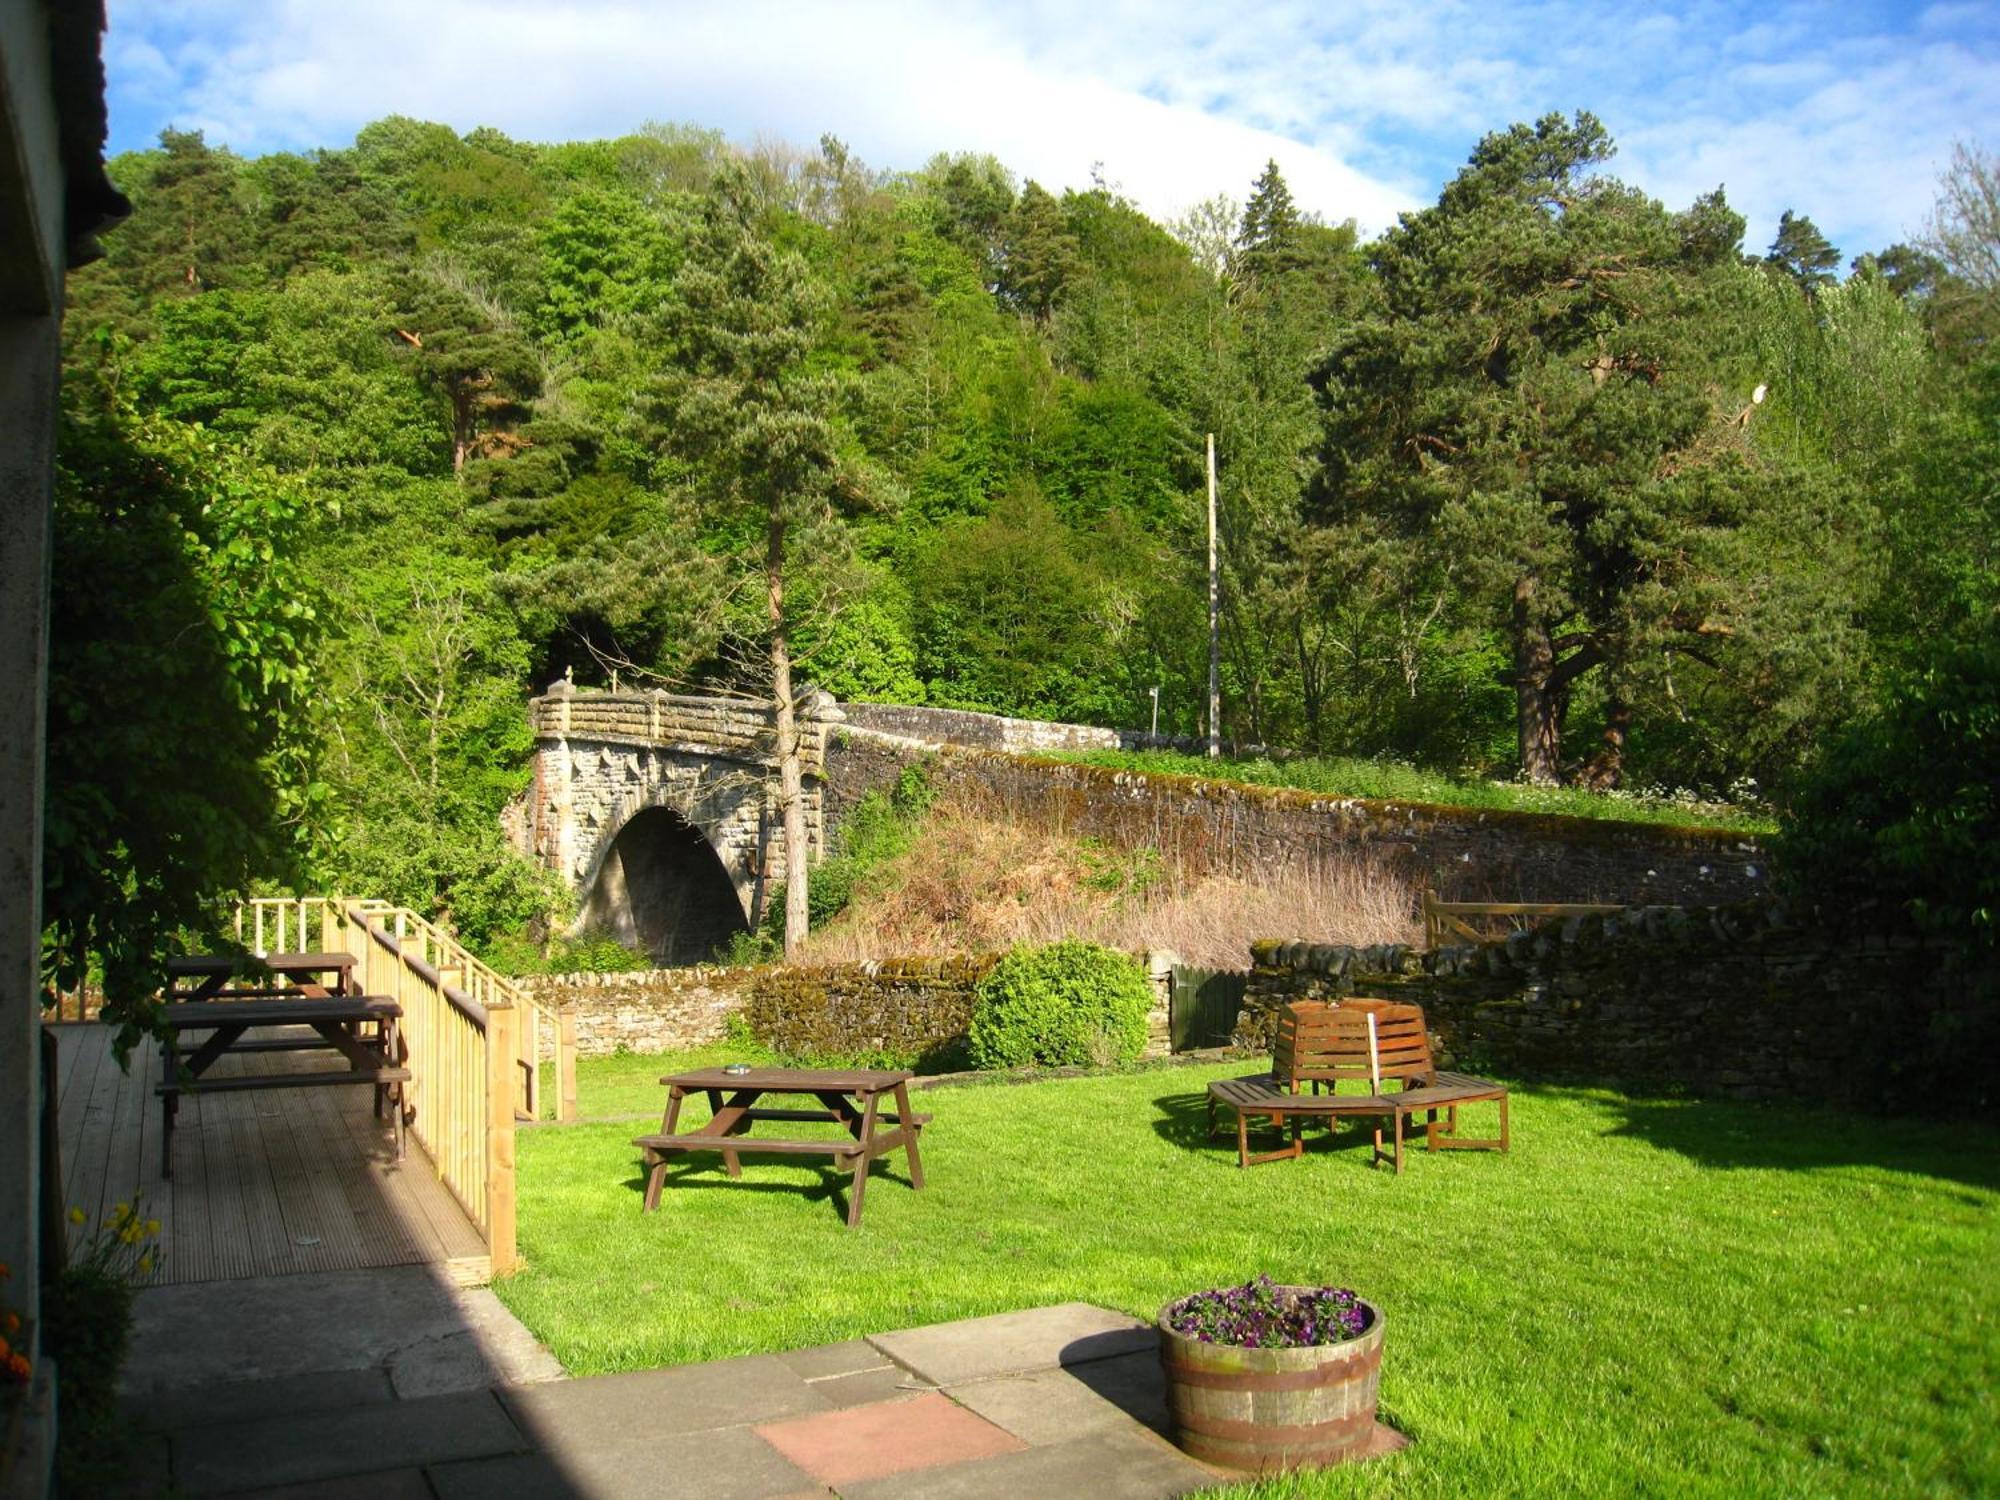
(1368, 1041)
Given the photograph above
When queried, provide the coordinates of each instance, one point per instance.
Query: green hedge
(1063, 1005)
(905, 1013)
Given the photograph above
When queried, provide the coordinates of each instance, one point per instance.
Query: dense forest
(364, 446)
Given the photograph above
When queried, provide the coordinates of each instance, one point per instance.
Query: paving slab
(889, 1383)
(228, 1458)
(625, 1412)
(1131, 1465)
(431, 1336)
(733, 1464)
(247, 1400)
(890, 1437)
(1042, 1338)
(402, 1484)
(1055, 1406)
(824, 1361)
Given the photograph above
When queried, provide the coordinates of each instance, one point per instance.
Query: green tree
(741, 406)
(1803, 253)
(1038, 253)
(182, 741)
(1267, 240)
(467, 348)
(1537, 402)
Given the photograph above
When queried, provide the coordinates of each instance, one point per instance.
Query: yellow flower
(76, 1216)
(145, 1265)
(121, 1213)
(152, 1226)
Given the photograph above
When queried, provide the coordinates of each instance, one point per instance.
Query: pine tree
(1267, 243)
(1039, 254)
(1803, 253)
(739, 406)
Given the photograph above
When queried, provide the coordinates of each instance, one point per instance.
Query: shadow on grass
(1732, 1133)
(1183, 1121)
(832, 1186)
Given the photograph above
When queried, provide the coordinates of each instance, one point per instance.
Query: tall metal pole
(1214, 621)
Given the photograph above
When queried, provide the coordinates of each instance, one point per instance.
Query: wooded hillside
(366, 445)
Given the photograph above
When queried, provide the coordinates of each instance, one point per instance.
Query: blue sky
(1845, 112)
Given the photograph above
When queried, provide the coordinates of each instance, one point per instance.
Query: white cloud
(1368, 106)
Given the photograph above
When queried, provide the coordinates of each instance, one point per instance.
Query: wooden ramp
(267, 1182)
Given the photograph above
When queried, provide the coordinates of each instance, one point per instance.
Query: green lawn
(1646, 1296)
(1399, 781)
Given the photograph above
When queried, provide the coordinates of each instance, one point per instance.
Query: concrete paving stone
(889, 1383)
(275, 1451)
(1055, 1406)
(824, 1361)
(1129, 1465)
(433, 1337)
(403, 1484)
(733, 1464)
(248, 1400)
(1040, 1338)
(617, 1410)
(841, 1448)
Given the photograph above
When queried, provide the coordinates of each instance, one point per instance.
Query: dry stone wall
(1458, 853)
(915, 1005)
(1744, 1000)
(655, 1010)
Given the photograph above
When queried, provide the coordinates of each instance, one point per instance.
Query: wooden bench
(1366, 1041)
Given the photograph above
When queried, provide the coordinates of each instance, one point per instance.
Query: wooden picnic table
(362, 1029)
(212, 976)
(851, 1097)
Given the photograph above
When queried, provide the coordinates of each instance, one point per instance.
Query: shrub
(1903, 807)
(1063, 1005)
(86, 1326)
(904, 1013)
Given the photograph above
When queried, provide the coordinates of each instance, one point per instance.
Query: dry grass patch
(973, 883)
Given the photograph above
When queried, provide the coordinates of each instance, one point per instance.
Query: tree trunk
(1606, 768)
(791, 791)
(462, 426)
(1538, 697)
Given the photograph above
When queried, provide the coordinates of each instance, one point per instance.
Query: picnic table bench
(312, 1013)
(1375, 1042)
(848, 1097)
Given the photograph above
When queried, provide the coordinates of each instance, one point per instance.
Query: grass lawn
(1399, 781)
(1647, 1296)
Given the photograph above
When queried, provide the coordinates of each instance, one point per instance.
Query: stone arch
(659, 885)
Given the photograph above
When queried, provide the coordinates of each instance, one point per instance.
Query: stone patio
(1055, 1400)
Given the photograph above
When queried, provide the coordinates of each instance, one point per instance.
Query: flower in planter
(1262, 1315)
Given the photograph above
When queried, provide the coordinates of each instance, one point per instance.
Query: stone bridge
(661, 811)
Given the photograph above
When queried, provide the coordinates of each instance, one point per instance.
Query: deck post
(500, 1064)
(566, 1064)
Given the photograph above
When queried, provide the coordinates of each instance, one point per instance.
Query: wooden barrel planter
(1268, 1410)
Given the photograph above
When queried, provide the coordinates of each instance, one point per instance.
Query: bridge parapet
(661, 810)
(742, 730)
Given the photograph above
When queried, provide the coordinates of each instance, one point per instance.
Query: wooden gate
(1204, 1006)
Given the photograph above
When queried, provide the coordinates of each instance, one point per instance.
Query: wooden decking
(268, 1182)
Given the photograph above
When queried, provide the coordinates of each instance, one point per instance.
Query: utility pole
(1156, 713)
(1214, 621)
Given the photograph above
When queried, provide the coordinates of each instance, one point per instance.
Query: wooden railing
(1443, 919)
(475, 1041)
